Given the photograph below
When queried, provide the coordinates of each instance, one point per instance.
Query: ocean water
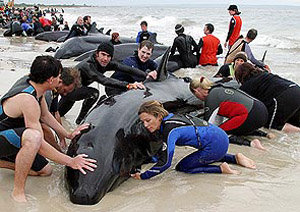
(273, 186)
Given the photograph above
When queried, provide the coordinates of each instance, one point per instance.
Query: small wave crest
(281, 42)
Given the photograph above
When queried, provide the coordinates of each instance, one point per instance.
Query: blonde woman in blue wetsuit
(210, 141)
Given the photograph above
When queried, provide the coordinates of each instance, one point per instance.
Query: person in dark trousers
(186, 47)
(92, 70)
(281, 96)
(235, 26)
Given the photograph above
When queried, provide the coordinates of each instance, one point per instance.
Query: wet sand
(273, 186)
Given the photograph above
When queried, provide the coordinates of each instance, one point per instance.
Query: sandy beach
(273, 186)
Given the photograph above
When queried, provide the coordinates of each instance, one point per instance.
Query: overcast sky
(150, 2)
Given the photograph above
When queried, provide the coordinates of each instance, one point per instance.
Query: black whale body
(117, 140)
(78, 45)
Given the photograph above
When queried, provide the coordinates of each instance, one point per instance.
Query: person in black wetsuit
(69, 80)
(22, 109)
(77, 29)
(237, 113)
(281, 96)
(186, 47)
(92, 70)
(210, 142)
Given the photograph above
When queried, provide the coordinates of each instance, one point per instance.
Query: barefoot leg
(244, 161)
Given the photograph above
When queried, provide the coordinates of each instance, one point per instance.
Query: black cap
(106, 47)
(178, 28)
(233, 7)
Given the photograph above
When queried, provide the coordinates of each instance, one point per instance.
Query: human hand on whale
(78, 130)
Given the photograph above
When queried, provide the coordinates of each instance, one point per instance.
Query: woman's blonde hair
(154, 108)
(202, 82)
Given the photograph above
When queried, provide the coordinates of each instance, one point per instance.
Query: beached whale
(124, 50)
(117, 140)
(51, 35)
(78, 45)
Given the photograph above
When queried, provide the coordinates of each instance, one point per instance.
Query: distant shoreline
(51, 5)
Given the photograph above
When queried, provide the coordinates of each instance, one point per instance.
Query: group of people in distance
(31, 107)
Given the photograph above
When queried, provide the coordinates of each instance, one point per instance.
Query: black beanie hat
(106, 47)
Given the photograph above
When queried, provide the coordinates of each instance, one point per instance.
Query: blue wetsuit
(211, 141)
(142, 35)
(11, 129)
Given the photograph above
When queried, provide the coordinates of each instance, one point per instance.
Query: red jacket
(236, 30)
(209, 50)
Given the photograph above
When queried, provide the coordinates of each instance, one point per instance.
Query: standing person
(144, 34)
(242, 45)
(92, 70)
(211, 47)
(237, 113)
(69, 80)
(281, 96)
(186, 47)
(140, 60)
(22, 110)
(210, 142)
(235, 26)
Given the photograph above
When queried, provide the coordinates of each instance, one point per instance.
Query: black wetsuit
(91, 71)
(11, 129)
(281, 97)
(186, 46)
(76, 30)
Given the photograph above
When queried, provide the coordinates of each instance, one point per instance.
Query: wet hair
(154, 108)
(251, 34)
(114, 35)
(245, 71)
(202, 82)
(146, 43)
(85, 18)
(210, 27)
(44, 67)
(144, 23)
(70, 76)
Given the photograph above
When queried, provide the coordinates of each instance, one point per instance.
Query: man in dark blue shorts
(22, 109)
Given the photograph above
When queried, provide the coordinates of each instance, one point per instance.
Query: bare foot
(225, 168)
(244, 161)
(271, 136)
(255, 143)
(19, 197)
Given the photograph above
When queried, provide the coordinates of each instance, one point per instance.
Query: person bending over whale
(69, 80)
(92, 70)
(22, 109)
(237, 113)
(141, 60)
(281, 96)
(211, 143)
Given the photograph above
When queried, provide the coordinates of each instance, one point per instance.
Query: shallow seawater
(273, 186)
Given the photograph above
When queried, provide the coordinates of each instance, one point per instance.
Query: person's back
(186, 46)
(238, 46)
(210, 47)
